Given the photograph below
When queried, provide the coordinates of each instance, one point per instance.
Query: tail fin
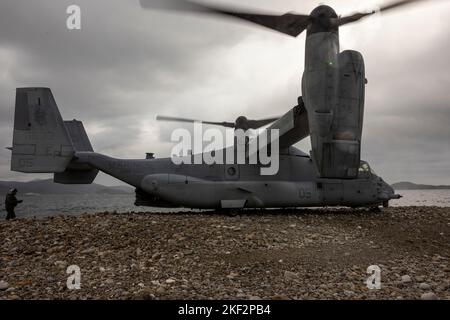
(41, 142)
(77, 173)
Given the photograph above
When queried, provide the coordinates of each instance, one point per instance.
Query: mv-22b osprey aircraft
(330, 112)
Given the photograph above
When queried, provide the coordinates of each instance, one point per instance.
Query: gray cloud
(127, 65)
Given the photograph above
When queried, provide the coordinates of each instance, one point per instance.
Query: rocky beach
(283, 254)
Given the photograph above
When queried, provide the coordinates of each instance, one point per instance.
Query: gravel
(280, 255)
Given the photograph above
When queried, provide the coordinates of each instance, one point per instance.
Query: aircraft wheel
(233, 213)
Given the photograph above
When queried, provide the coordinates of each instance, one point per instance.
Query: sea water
(51, 205)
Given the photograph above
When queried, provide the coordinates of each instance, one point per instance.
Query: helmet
(13, 191)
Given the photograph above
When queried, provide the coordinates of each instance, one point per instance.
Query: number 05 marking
(305, 194)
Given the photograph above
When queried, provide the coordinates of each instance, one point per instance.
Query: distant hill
(49, 187)
(413, 186)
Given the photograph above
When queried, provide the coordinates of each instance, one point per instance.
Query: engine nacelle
(336, 119)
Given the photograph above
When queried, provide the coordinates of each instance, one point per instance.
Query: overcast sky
(126, 65)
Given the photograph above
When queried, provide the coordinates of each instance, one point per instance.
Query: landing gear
(229, 212)
(375, 209)
(232, 212)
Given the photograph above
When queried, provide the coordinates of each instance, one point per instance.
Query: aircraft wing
(293, 127)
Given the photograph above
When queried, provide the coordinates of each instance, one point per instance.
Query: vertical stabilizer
(41, 142)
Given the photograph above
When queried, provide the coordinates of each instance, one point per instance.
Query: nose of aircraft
(388, 193)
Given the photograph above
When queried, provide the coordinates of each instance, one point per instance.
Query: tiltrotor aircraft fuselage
(330, 112)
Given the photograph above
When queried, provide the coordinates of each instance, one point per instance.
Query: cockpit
(365, 171)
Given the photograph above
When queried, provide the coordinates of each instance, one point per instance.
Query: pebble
(349, 293)
(60, 264)
(279, 297)
(406, 279)
(429, 296)
(424, 286)
(156, 256)
(232, 275)
(161, 290)
(4, 285)
(290, 276)
(88, 251)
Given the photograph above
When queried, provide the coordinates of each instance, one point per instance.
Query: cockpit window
(365, 170)
(364, 167)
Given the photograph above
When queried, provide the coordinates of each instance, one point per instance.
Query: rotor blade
(174, 5)
(175, 119)
(256, 124)
(397, 4)
(290, 24)
(358, 16)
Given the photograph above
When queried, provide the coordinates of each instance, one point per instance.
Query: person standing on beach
(10, 203)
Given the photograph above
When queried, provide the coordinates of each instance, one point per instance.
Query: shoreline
(277, 254)
(214, 212)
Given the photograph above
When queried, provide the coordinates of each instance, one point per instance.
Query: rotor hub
(323, 19)
(242, 123)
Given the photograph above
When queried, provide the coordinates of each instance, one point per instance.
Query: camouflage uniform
(10, 203)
